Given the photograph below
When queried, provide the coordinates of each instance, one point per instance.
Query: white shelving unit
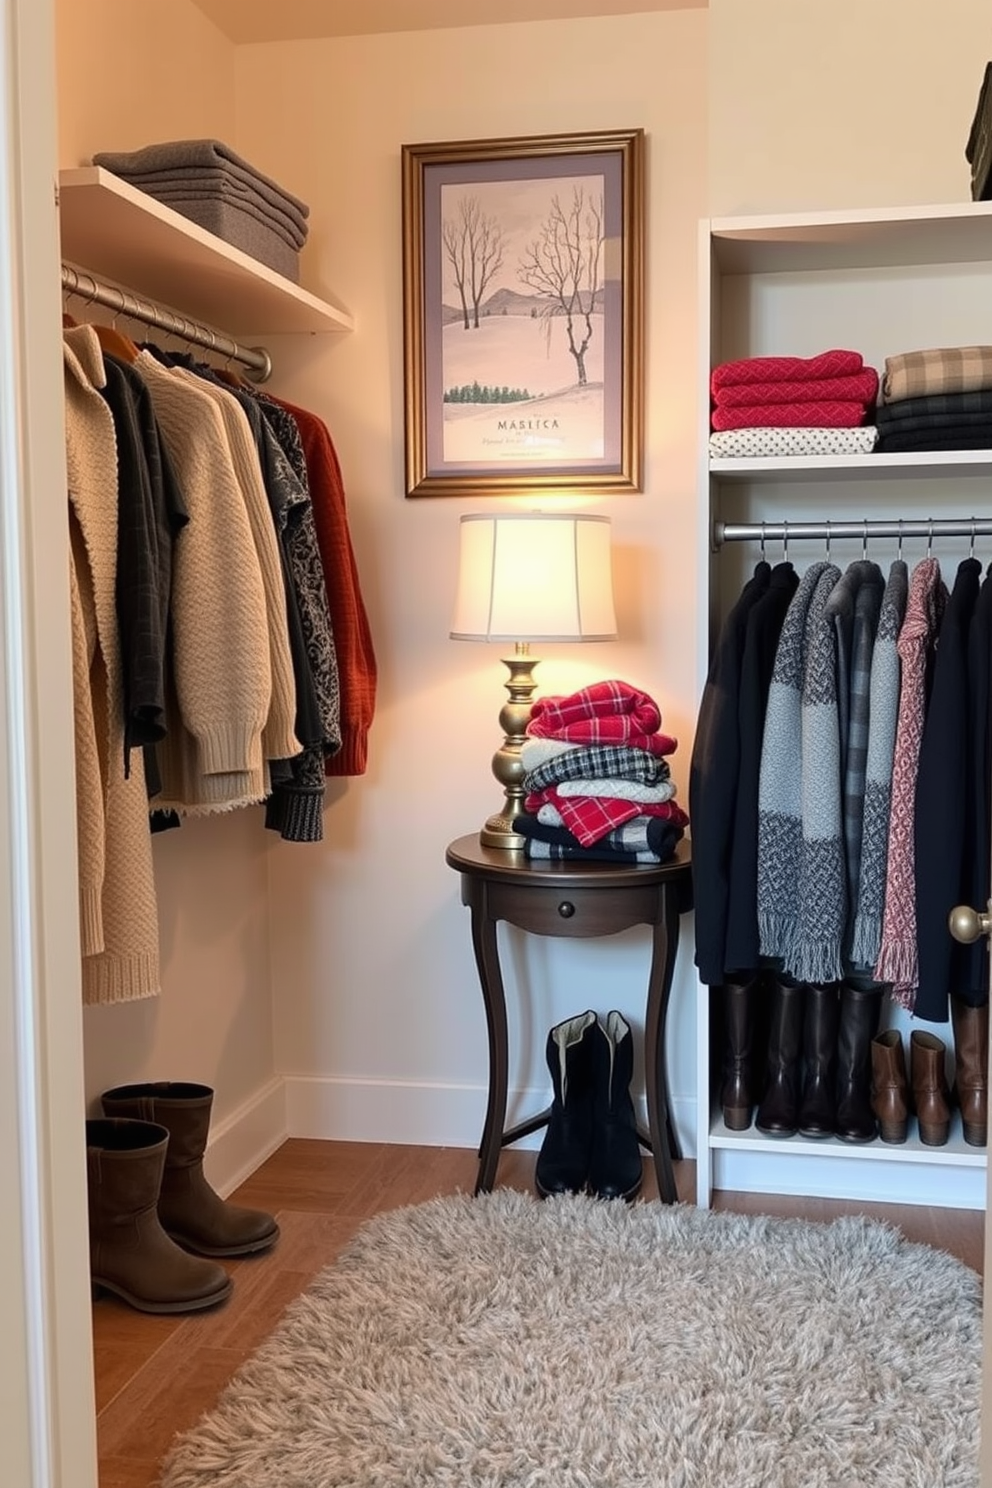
(880, 283)
(124, 235)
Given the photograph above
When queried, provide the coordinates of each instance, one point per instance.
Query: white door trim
(46, 1377)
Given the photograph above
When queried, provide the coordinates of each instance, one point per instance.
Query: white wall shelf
(119, 233)
(882, 282)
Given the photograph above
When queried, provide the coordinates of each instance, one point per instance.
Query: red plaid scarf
(589, 818)
(609, 712)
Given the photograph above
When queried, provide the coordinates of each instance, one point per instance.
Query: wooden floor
(156, 1375)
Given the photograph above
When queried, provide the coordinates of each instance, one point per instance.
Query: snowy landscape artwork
(522, 272)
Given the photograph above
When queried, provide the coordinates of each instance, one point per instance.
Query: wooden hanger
(116, 343)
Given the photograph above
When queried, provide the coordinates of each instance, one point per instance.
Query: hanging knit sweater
(118, 914)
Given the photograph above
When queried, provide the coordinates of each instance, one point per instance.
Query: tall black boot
(778, 1114)
(818, 1110)
(860, 1013)
(615, 1168)
(737, 1088)
(563, 1161)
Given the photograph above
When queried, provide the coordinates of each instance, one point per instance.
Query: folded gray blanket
(223, 183)
(243, 231)
(180, 154)
(170, 195)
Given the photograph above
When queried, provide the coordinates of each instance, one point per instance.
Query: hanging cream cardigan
(118, 916)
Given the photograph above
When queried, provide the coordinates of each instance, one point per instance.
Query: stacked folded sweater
(214, 187)
(793, 405)
(598, 784)
(938, 399)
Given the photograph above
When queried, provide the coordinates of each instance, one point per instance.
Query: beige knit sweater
(211, 758)
(118, 915)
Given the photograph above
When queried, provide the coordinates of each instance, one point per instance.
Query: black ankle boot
(736, 1090)
(615, 1169)
(818, 1110)
(860, 1011)
(778, 1114)
(563, 1161)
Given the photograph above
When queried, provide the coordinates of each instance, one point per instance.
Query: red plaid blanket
(589, 818)
(609, 712)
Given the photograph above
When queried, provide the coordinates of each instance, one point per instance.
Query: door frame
(46, 1382)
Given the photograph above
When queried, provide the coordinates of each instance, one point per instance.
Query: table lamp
(523, 577)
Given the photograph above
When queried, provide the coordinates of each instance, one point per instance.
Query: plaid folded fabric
(786, 369)
(791, 416)
(640, 834)
(939, 369)
(555, 852)
(860, 387)
(946, 407)
(605, 712)
(590, 817)
(535, 751)
(598, 761)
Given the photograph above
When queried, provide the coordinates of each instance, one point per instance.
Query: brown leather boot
(931, 1095)
(130, 1253)
(890, 1088)
(971, 1058)
(190, 1210)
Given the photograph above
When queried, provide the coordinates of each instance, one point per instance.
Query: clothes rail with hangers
(255, 359)
(724, 532)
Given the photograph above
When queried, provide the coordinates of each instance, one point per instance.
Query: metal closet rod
(254, 358)
(724, 532)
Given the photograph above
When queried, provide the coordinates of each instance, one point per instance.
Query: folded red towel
(791, 416)
(786, 369)
(860, 387)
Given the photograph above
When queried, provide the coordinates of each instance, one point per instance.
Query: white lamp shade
(534, 576)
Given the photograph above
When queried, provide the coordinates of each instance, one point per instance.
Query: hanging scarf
(897, 958)
(780, 783)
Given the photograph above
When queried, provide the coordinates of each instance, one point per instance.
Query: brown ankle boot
(931, 1095)
(890, 1088)
(190, 1210)
(971, 1059)
(130, 1253)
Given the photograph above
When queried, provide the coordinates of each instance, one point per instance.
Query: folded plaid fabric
(943, 406)
(590, 817)
(554, 852)
(860, 387)
(970, 436)
(535, 752)
(609, 712)
(765, 443)
(597, 761)
(791, 416)
(615, 785)
(640, 834)
(786, 369)
(940, 369)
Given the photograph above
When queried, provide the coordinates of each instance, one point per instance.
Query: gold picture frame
(523, 314)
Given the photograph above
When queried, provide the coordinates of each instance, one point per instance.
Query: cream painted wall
(374, 980)
(129, 75)
(842, 104)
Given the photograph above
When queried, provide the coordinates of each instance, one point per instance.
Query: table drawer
(574, 911)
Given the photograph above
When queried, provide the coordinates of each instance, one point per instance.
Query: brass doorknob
(967, 924)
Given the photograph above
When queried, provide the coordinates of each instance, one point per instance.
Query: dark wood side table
(573, 899)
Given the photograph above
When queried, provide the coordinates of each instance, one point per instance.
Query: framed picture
(522, 278)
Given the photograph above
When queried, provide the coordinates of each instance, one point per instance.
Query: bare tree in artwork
(473, 244)
(563, 265)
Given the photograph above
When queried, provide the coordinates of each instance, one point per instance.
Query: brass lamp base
(507, 766)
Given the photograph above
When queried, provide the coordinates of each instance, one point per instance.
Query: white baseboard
(244, 1139)
(830, 1177)
(422, 1114)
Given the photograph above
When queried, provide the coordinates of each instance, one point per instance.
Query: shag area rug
(497, 1341)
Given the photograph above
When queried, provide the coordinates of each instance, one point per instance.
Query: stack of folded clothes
(939, 399)
(782, 405)
(598, 784)
(207, 182)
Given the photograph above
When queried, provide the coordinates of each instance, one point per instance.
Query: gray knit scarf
(800, 896)
(883, 710)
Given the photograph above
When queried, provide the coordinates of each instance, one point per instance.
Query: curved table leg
(664, 1141)
(487, 961)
